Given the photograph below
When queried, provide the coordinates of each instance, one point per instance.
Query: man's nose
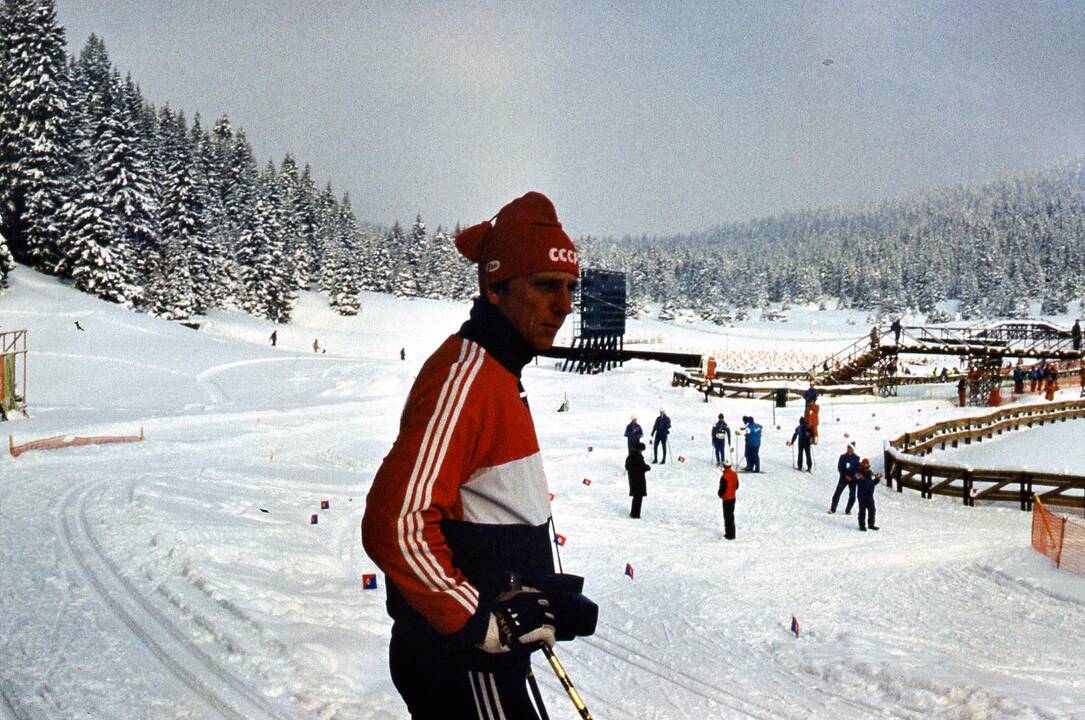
(564, 303)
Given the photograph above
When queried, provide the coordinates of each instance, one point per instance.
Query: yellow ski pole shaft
(563, 677)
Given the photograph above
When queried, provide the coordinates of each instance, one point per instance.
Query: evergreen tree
(295, 245)
(268, 289)
(183, 221)
(7, 263)
(344, 286)
(35, 126)
(111, 210)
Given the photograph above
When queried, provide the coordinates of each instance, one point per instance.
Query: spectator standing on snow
(805, 436)
(635, 468)
(1051, 380)
(633, 433)
(810, 395)
(274, 337)
(1034, 375)
(660, 430)
(961, 386)
(1075, 335)
(874, 337)
(403, 353)
(316, 345)
(752, 431)
(866, 479)
(1018, 378)
(812, 414)
(726, 493)
(721, 435)
(896, 328)
(847, 465)
(461, 501)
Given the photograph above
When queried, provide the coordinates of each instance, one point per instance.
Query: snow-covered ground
(180, 577)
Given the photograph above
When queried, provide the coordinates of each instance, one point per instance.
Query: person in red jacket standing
(461, 500)
(726, 493)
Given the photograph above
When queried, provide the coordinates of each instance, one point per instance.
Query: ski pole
(566, 683)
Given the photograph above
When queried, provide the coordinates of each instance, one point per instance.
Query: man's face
(537, 305)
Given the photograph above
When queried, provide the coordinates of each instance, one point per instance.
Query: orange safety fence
(1059, 537)
(59, 441)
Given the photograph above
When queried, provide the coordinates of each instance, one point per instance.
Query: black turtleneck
(489, 327)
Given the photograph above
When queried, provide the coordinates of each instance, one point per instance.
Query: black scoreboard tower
(598, 333)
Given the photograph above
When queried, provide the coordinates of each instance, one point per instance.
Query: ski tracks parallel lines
(228, 695)
(7, 710)
(711, 691)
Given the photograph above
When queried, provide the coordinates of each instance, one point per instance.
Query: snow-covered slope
(180, 577)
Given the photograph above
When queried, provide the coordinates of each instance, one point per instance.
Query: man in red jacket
(461, 500)
(726, 493)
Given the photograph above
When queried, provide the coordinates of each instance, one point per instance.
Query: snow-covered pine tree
(114, 208)
(239, 195)
(386, 256)
(212, 156)
(268, 287)
(326, 216)
(344, 286)
(410, 277)
(307, 225)
(452, 276)
(7, 263)
(295, 247)
(184, 204)
(35, 124)
(138, 203)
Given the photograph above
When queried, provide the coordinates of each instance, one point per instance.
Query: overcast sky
(635, 117)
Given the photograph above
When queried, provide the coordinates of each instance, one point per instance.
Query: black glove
(519, 619)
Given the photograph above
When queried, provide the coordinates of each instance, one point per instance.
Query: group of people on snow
(856, 476)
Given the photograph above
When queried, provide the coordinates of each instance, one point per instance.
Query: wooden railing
(906, 463)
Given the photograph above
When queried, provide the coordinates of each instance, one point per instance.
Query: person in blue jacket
(752, 430)
(866, 479)
(660, 430)
(810, 395)
(1018, 378)
(721, 435)
(633, 433)
(805, 435)
(847, 466)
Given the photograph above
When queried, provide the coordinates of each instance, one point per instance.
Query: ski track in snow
(217, 688)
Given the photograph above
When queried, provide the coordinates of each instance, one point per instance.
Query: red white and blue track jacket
(461, 499)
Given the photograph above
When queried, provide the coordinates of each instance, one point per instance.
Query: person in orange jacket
(726, 493)
(813, 410)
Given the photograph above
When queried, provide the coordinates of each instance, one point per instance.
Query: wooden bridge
(874, 358)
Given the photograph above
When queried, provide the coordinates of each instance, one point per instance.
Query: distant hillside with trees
(993, 247)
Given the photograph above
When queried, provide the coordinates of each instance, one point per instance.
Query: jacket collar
(492, 330)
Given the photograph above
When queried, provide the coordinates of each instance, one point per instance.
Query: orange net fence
(59, 441)
(1059, 537)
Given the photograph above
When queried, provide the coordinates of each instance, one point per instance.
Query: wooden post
(1026, 503)
(967, 489)
(1062, 536)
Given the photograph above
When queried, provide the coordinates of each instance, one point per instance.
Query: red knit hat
(524, 237)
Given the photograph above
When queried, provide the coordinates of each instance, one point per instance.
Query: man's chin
(543, 342)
